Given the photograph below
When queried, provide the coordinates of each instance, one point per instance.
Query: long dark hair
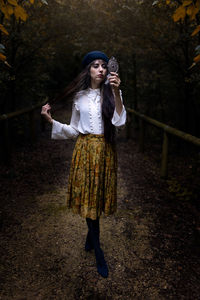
(82, 82)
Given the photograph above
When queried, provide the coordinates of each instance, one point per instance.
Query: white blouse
(86, 116)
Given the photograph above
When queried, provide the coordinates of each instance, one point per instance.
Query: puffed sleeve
(62, 131)
(119, 120)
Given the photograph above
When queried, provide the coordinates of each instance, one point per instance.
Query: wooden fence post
(164, 168)
(142, 134)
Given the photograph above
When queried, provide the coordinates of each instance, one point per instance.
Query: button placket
(90, 114)
(95, 110)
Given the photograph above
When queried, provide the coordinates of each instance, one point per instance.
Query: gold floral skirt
(92, 183)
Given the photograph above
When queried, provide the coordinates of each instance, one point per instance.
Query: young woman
(97, 110)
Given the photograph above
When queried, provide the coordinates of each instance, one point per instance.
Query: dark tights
(92, 242)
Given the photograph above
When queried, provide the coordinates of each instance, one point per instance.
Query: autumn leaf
(197, 29)
(2, 57)
(31, 1)
(197, 58)
(187, 2)
(192, 11)
(10, 10)
(180, 13)
(20, 13)
(13, 2)
(5, 11)
(2, 28)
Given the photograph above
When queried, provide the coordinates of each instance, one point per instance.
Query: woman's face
(98, 72)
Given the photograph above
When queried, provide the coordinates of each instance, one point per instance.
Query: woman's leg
(93, 226)
(88, 242)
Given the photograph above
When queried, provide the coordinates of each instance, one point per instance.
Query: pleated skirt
(92, 182)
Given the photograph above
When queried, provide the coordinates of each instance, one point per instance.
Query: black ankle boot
(93, 226)
(102, 267)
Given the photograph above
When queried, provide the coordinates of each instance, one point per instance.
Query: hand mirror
(113, 66)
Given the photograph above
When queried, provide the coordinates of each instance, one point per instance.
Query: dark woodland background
(155, 55)
(152, 242)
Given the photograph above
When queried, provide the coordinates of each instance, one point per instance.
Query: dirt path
(150, 243)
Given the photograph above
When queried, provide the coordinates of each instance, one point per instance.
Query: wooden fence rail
(5, 118)
(143, 120)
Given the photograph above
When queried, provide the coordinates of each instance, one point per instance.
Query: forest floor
(151, 243)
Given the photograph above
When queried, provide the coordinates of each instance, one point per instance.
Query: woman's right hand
(45, 112)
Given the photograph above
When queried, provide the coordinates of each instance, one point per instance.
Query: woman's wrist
(118, 101)
(116, 91)
(48, 119)
(117, 96)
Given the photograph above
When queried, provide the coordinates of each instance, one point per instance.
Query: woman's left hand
(114, 81)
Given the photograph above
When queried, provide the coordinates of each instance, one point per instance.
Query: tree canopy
(42, 44)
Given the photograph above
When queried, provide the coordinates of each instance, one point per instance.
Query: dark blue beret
(89, 57)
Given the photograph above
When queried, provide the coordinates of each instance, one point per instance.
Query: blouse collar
(94, 94)
(94, 90)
